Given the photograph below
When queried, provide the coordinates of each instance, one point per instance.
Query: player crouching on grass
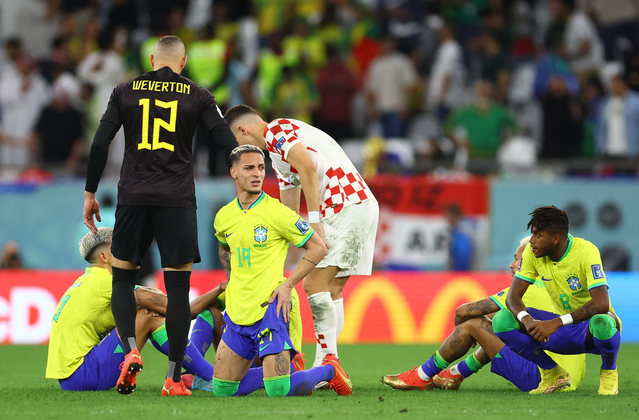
(254, 232)
(85, 352)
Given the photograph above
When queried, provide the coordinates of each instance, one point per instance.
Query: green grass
(26, 394)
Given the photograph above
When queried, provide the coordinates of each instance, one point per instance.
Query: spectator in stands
(10, 258)
(391, 77)
(293, 96)
(460, 247)
(482, 126)
(562, 122)
(13, 50)
(617, 131)
(494, 64)
(22, 95)
(618, 24)
(336, 86)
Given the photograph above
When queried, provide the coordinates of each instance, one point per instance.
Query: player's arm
(299, 159)
(208, 299)
(290, 197)
(156, 301)
(515, 302)
(315, 252)
(225, 258)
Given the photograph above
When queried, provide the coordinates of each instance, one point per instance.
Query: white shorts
(351, 239)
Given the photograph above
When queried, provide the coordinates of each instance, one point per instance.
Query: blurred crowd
(413, 85)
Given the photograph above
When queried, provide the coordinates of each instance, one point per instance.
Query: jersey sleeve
(595, 275)
(210, 114)
(218, 226)
(280, 137)
(527, 270)
(112, 113)
(291, 226)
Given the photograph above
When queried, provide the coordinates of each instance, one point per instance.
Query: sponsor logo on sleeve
(597, 271)
(280, 143)
(301, 225)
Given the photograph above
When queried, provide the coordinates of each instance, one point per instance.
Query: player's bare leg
(317, 287)
(230, 368)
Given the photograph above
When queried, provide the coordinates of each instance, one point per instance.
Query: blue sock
(469, 365)
(202, 334)
(434, 364)
(193, 362)
(304, 381)
(608, 350)
(527, 348)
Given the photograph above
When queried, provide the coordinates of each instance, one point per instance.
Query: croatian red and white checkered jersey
(339, 182)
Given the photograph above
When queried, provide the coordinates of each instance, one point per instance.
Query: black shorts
(174, 229)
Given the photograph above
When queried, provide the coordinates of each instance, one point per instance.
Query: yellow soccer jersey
(258, 238)
(568, 280)
(295, 324)
(82, 315)
(536, 296)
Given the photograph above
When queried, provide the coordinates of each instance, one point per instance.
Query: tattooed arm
(475, 309)
(225, 259)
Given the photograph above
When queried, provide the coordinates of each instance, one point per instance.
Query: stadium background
(273, 55)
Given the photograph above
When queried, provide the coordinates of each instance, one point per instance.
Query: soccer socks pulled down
(202, 333)
(278, 386)
(606, 339)
(178, 318)
(124, 307)
(194, 362)
(304, 381)
(325, 322)
(432, 366)
(527, 348)
(468, 366)
(222, 388)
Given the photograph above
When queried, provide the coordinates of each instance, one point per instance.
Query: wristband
(566, 319)
(313, 217)
(521, 315)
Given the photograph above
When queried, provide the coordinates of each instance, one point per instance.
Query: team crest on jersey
(280, 143)
(573, 282)
(597, 271)
(260, 234)
(301, 225)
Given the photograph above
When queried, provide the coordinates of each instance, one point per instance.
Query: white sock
(422, 374)
(325, 322)
(339, 316)
(454, 370)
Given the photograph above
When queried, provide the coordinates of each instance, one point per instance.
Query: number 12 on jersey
(158, 123)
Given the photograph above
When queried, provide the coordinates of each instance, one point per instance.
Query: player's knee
(222, 388)
(602, 326)
(504, 321)
(277, 387)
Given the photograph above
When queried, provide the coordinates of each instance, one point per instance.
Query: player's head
(518, 254)
(549, 228)
(246, 124)
(247, 168)
(95, 248)
(169, 51)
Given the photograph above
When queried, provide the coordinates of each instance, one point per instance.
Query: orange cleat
(406, 381)
(448, 381)
(341, 382)
(187, 379)
(172, 388)
(298, 362)
(129, 369)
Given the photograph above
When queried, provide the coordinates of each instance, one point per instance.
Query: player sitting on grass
(573, 274)
(460, 341)
(254, 232)
(85, 351)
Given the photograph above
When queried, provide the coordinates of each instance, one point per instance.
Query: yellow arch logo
(402, 320)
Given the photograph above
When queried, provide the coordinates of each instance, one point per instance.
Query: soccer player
(156, 194)
(85, 351)
(571, 269)
(434, 373)
(341, 209)
(254, 232)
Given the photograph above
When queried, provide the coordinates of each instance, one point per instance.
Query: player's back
(159, 111)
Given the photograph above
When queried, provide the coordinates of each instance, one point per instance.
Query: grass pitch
(27, 394)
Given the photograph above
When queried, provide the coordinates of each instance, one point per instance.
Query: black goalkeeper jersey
(160, 111)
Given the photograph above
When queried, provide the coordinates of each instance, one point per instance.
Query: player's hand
(317, 227)
(153, 313)
(283, 295)
(541, 330)
(91, 207)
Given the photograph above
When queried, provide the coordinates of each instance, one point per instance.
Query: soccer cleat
(407, 381)
(552, 380)
(129, 369)
(298, 362)
(202, 384)
(446, 380)
(341, 382)
(172, 388)
(608, 382)
(187, 378)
